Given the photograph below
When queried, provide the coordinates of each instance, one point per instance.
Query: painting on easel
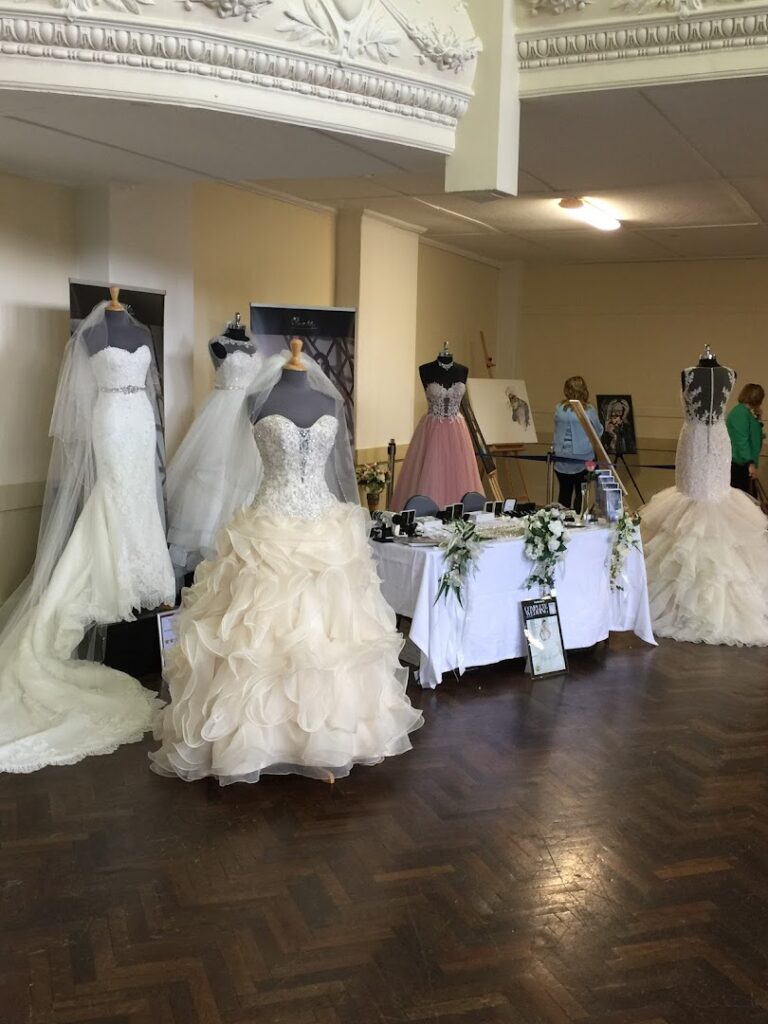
(502, 410)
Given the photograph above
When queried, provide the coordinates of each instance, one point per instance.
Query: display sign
(544, 637)
(166, 628)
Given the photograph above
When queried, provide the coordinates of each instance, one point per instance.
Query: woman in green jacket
(746, 432)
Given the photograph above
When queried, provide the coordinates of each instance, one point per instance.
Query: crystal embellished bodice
(117, 368)
(294, 461)
(237, 371)
(444, 403)
(703, 459)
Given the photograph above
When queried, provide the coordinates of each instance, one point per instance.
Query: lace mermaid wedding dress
(55, 710)
(287, 654)
(215, 471)
(706, 545)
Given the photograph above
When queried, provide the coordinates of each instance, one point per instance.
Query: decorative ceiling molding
(74, 8)
(358, 28)
(556, 6)
(621, 41)
(245, 9)
(116, 45)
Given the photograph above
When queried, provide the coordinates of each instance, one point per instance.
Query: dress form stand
(292, 396)
(443, 370)
(122, 332)
(234, 339)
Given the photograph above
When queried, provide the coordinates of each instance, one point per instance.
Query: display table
(489, 627)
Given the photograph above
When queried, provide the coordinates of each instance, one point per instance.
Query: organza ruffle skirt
(440, 463)
(707, 565)
(287, 656)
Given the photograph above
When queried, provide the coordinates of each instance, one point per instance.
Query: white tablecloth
(489, 628)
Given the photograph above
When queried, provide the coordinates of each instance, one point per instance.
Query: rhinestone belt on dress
(128, 389)
(229, 387)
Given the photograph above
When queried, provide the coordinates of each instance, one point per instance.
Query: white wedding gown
(287, 654)
(706, 545)
(200, 498)
(55, 710)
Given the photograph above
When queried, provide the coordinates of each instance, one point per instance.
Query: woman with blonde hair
(570, 444)
(745, 430)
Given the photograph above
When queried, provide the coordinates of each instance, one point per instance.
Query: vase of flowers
(373, 477)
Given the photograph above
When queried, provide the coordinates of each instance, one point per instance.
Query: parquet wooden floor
(591, 851)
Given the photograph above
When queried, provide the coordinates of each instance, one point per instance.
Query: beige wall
(249, 248)
(630, 328)
(37, 233)
(458, 298)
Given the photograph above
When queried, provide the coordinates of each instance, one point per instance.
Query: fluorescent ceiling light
(592, 214)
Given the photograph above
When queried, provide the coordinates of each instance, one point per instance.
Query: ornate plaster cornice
(718, 30)
(128, 45)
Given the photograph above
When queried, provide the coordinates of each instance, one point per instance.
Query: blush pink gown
(441, 461)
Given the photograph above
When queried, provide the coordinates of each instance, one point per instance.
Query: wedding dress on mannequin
(287, 654)
(101, 554)
(706, 546)
(217, 468)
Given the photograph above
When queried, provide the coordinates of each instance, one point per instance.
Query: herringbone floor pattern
(592, 851)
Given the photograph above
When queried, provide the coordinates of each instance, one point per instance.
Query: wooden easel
(505, 450)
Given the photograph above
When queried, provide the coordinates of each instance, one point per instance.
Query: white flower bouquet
(545, 543)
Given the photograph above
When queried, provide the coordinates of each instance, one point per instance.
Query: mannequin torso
(706, 389)
(443, 372)
(234, 339)
(122, 332)
(293, 398)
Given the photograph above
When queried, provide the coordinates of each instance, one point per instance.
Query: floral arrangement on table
(461, 546)
(545, 543)
(626, 537)
(373, 477)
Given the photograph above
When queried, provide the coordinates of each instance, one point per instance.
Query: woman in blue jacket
(570, 444)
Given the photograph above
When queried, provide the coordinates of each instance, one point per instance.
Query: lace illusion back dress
(287, 656)
(441, 460)
(706, 544)
(55, 709)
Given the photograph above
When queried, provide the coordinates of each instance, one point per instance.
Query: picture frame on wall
(618, 419)
(544, 637)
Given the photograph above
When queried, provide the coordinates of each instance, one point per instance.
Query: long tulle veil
(72, 470)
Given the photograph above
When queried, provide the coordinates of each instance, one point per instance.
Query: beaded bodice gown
(201, 498)
(706, 544)
(440, 462)
(287, 655)
(55, 709)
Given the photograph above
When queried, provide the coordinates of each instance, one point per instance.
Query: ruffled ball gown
(706, 545)
(287, 654)
(441, 460)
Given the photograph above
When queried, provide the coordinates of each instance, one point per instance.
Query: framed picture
(166, 632)
(616, 415)
(502, 411)
(544, 637)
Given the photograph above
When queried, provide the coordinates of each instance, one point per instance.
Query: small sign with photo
(166, 632)
(544, 637)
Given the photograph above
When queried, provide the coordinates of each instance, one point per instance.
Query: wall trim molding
(707, 32)
(466, 254)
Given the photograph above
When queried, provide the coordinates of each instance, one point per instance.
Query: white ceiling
(685, 167)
